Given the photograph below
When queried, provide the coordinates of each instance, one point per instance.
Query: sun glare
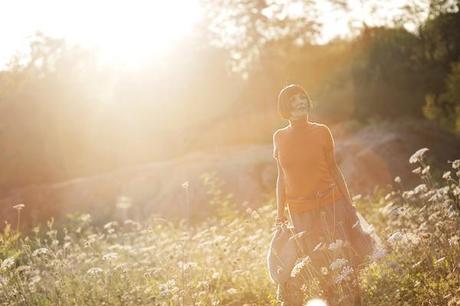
(126, 32)
(316, 302)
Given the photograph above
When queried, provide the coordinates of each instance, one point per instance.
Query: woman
(312, 187)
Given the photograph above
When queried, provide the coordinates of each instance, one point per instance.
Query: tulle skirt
(338, 243)
(338, 228)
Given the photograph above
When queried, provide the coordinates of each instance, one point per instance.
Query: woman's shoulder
(323, 128)
(279, 132)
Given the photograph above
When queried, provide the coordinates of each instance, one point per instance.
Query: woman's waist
(310, 194)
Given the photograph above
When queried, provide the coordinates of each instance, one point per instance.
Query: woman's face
(299, 106)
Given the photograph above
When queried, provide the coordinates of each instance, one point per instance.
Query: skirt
(338, 243)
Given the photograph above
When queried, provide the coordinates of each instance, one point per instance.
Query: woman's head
(293, 102)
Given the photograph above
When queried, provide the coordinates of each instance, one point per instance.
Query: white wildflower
(216, 275)
(21, 269)
(35, 279)
(446, 175)
(456, 164)
(335, 245)
(111, 225)
(378, 253)
(357, 197)
(232, 291)
(417, 170)
(426, 170)
(346, 271)
(420, 188)
(187, 265)
(3, 281)
(395, 237)
(40, 251)
(94, 271)
(7, 263)
(437, 196)
(397, 179)
(407, 194)
(185, 184)
(298, 267)
(338, 263)
(110, 256)
(411, 238)
(19, 206)
(454, 241)
(456, 191)
(417, 156)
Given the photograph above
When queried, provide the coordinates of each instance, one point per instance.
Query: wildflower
(110, 225)
(357, 197)
(456, 164)
(19, 206)
(124, 202)
(397, 179)
(324, 271)
(425, 170)
(338, 263)
(335, 245)
(110, 256)
(437, 196)
(94, 271)
(35, 279)
(378, 253)
(420, 188)
(185, 185)
(187, 265)
(232, 291)
(417, 156)
(388, 196)
(3, 281)
(456, 191)
(40, 251)
(407, 194)
(7, 263)
(22, 269)
(417, 170)
(216, 275)
(395, 237)
(85, 218)
(411, 238)
(446, 175)
(346, 271)
(298, 267)
(454, 240)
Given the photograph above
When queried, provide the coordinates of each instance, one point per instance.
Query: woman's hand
(280, 220)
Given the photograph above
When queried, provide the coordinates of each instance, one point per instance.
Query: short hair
(284, 107)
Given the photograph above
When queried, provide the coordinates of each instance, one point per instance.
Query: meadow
(222, 260)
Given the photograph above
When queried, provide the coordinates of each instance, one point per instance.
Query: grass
(222, 260)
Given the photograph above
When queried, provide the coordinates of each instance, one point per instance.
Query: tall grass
(131, 263)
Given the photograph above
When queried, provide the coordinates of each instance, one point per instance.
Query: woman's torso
(301, 153)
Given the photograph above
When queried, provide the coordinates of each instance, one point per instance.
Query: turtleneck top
(301, 149)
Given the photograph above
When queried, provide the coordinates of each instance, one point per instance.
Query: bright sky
(119, 28)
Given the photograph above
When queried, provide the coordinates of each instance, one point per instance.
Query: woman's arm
(280, 189)
(280, 195)
(336, 173)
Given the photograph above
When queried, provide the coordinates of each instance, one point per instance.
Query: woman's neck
(296, 123)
